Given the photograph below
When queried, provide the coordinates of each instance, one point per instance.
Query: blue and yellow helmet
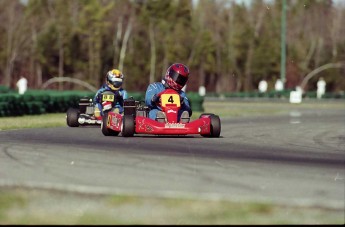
(114, 79)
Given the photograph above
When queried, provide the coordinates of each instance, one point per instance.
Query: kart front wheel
(128, 126)
(72, 116)
(105, 130)
(215, 126)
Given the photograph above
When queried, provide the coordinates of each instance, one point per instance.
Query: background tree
(229, 46)
(14, 41)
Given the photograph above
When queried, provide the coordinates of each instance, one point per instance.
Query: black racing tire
(72, 116)
(215, 127)
(105, 130)
(128, 125)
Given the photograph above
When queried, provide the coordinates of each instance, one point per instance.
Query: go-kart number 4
(109, 98)
(170, 99)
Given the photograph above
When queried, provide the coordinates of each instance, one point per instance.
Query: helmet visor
(178, 78)
(117, 82)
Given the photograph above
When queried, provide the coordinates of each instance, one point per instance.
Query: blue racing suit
(120, 95)
(156, 88)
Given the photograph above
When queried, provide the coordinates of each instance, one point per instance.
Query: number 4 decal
(171, 99)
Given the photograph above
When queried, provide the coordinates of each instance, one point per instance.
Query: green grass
(33, 121)
(238, 109)
(33, 206)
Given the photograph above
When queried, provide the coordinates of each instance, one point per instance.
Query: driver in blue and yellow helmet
(113, 83)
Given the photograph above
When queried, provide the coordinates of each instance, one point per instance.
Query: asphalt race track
(295, 158)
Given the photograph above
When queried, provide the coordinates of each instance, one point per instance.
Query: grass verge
(33, 121)
(34, 206)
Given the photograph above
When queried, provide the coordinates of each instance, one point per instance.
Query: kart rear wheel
(215, 126)
(105, 130)
(72, 116)
(128, 126)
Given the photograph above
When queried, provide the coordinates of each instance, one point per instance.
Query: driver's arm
(96, 98)
(185, 104)
(151, 93)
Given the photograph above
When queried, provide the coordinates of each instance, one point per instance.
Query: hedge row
(39, 102)
(51, 101)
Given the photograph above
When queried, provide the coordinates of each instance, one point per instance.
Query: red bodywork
(114, 121)
(144, 125)
(170, 104)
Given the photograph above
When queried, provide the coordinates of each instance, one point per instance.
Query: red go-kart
(136, 121)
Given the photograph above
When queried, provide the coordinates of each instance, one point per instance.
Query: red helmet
(177, 76)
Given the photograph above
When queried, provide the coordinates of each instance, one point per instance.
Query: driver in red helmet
(175, 78)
